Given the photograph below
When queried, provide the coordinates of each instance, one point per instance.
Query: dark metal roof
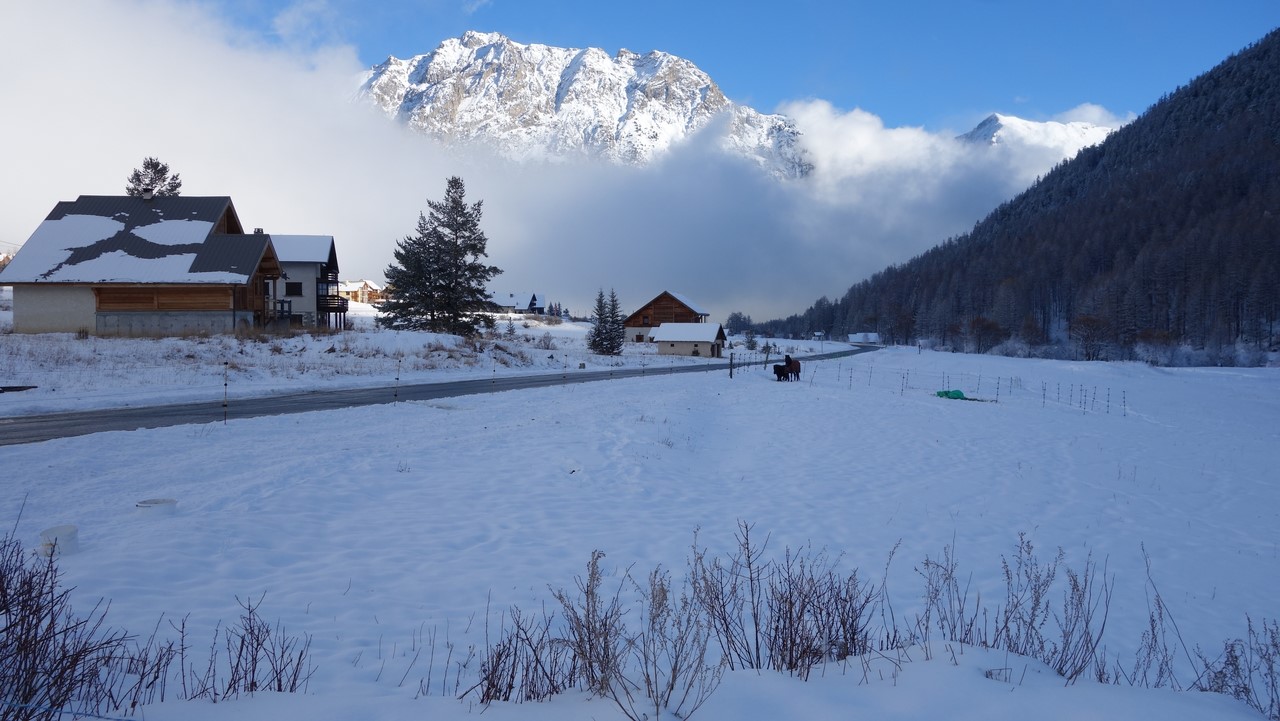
(123, 239)
(137, 212)
(230, 254)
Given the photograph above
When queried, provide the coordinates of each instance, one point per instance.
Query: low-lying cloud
(90, 93)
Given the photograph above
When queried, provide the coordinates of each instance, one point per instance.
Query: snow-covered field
(376, 529)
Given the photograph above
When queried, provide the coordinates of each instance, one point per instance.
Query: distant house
(120, 265)
(691, 339)
(865, 337)
(307, 291)
(361, 291)
(667, 307)
(534, 303)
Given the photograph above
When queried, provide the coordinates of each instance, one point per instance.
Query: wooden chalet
(361, 291)
(138, 266)
(667, 307)
(525, 303)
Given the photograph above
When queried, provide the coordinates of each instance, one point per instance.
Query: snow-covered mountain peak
(539, 101)
(998, 129)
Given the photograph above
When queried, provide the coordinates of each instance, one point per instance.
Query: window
(293, 288)
(644, 320)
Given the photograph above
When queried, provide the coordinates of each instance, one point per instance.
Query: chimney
(257, 231)
(148, 193)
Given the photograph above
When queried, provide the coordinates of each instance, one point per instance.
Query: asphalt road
(35, 428)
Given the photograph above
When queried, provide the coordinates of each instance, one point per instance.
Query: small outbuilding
(691, 339)
(865, 338)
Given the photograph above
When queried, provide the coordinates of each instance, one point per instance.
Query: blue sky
(256, 100)
(939, 65)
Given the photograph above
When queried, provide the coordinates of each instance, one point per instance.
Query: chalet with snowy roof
(307, 290)
(145, 266)
(361, 291)
(667, 307)
(691, 339)
(535, 303)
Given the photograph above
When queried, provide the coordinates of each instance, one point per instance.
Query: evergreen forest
(1162, 243)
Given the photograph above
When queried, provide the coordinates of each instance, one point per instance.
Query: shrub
(51, 660)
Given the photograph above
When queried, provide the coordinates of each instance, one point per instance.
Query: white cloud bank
(90, 93)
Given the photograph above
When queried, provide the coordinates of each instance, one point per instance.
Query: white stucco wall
(687, 347)
(53, 308)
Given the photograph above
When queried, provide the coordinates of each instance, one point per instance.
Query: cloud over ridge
(272, 123)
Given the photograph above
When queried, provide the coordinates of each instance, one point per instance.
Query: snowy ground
(374, 529)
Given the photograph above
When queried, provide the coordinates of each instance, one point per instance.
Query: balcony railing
(331, 304)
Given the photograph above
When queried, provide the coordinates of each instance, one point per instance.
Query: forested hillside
(1164, 237)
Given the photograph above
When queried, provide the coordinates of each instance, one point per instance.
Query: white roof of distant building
(520, 301)
(302, 248)
(671, 332)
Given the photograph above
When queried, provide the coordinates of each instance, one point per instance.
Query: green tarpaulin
(953, 395)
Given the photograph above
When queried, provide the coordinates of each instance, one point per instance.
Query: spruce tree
(608, 334)
(597, 337)
(617, 331)
(153, 176)
(438, 280)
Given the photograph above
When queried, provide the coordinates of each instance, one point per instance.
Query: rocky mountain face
(548, 103)
(541, 102)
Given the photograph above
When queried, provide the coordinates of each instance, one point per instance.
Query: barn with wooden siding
(121, 265)
(667, 307)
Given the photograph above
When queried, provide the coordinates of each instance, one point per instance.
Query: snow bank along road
(36, 428)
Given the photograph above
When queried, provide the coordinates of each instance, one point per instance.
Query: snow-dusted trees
(438, 280)
(607, 333)
(153, 176)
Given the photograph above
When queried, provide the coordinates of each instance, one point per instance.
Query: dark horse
(788, 370)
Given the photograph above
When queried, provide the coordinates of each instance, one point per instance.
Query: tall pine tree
(153, 176)
(438, 280)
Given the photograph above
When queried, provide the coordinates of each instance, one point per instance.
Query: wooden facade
(164, 297)
(665, 308)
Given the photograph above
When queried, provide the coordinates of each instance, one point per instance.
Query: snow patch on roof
(175, 232)
(53, 242)
(120, 267)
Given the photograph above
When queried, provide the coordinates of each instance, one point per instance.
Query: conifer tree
(617, 331)
(438, 280)
(607, 333)
(153, 176)
(599, 321)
